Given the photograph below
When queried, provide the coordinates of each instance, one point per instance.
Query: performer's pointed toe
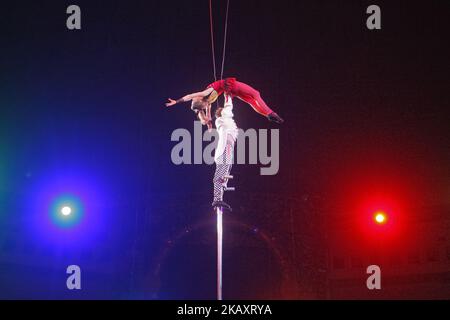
(275, 118)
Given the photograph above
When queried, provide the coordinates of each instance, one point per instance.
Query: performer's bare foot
(221, 204)
(275, 118)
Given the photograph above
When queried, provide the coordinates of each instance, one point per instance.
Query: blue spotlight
(66, 211)
(66, 208)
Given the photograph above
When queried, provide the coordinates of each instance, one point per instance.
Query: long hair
(200, 104)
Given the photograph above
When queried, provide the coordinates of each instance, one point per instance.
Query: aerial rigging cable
(213, 51)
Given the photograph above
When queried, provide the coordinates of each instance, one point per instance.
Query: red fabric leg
(252, 97)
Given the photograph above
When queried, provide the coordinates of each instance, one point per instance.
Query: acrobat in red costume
(201, 101)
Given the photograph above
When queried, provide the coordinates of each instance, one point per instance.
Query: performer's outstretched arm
(189, 97)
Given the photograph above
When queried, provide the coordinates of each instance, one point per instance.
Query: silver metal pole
(219, 252)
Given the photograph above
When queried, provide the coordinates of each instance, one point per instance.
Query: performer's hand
(209, 124)
(170, 102)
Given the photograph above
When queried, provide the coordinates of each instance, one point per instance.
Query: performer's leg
(253, 98)
(218, 179)
(223, 168)
(229, 154)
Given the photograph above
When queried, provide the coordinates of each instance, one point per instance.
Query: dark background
(366, 116)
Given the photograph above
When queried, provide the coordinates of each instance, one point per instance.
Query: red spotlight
(380, 217)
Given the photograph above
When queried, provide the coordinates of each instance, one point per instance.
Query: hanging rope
(211, 22)
(225, 40)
